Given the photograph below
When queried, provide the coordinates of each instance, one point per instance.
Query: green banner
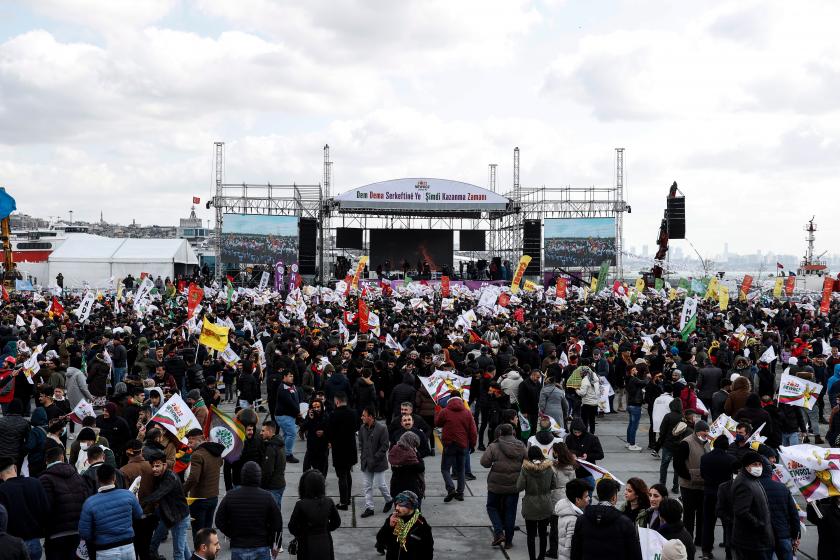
(658, 284)
(690, 327)
(602, 275)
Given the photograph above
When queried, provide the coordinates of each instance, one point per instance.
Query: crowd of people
(257, 248)
(309, 383)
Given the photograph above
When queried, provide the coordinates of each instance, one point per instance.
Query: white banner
(441, 383)
(798, 392)
(689, 309)
(85, 306)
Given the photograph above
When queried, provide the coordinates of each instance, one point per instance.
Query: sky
(114, 105)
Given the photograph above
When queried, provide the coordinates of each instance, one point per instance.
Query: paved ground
(463, 527)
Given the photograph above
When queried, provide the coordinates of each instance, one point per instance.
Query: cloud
(106, 17)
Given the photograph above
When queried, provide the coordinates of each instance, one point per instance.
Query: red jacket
(458, 425)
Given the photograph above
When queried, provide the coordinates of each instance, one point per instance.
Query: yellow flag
(594, 286)
(586, 293)
(723, 297)
(777, 289)
(672, 294)
(712, 291)
(359, 268)
(214, 336)
(640, 285)
(524, 261)
(529, 286)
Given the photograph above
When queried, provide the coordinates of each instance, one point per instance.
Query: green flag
(658, 284)
(602, 275)
(690, 327)
(407, 280)
(229, 292)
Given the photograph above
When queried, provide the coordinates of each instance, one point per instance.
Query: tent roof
(95, 248)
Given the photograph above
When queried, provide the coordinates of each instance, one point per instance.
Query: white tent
(95, 261)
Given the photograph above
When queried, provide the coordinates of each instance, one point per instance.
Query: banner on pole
(524, 261)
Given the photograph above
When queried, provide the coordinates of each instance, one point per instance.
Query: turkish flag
(363, 316)
(196, 200)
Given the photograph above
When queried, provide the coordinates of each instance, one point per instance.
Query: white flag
(176, 417)
(19, 321)
(85, 306)
(143, 292)
(35, 325)
(769, 355)
(248, 326)
(229, 356)
(343, 332)
(688, 310)
(373, 323)
(264, 280)
(391, 343)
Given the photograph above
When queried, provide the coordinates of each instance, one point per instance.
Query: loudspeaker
(307, 245)
(675, 214)
(532, 245)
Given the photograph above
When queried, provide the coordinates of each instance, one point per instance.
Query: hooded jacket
(504, 458)
(66, 493)
(76, 387)
(205, 466)
(537, 480)
(404, 392)
(667, 438)
(738, 396)
(273, 463)
(567, 515)
(14, 431)
(11, 548)
(586, 446)
(510, 384)
(604, 532)
(458, 425)
(248, 515)
(25, 496)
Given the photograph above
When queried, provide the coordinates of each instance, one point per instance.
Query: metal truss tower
(324, 226)
(220, 179)
(619, 210)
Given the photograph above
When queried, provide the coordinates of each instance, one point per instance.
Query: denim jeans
(278, 499)
(119, 374)
(202, 513)
(501, 509)
(667, 456)
(124, 552)
(790, 439)
(290, 430)
(33, 547)
(813, 417)
(453, 456)
(635, 412)
(180, 550)
(784, 549)
(259, 553)
(372, 481)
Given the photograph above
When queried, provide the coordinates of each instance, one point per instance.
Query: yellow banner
(712, 291)
(777, 289)
(723, 297)
(672, 294)
(359, 268)
(640, 285)
(524, 261)
(214, 336)
(529, 286)
(594, 285)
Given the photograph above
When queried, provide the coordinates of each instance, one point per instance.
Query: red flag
(363, 316)
(349, 281)
(519, 315)
(779, 265)
(745, 285)
(194, 296)
(56, 307)
(504, 299)
(444, 286)
(196, 200)
(828, 285)
(5, 294)
(790, 283)
(349, 318)
(7, 386)
(181, 285)
(561, 288)
(474, 337)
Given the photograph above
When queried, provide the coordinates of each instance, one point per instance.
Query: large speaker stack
(675, 215)
(308, 244)
(532, 245)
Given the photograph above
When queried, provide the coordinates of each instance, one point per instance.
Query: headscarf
(409, 440)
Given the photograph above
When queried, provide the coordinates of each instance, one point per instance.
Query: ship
(31, 249)
(812, 269)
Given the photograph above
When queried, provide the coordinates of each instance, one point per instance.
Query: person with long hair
(537, 480)
(564, 471)
(635, 498)
(649, 518)
(314, 518)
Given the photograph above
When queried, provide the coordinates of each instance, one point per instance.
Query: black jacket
(66, 493)
(827, 522)
(14, 430)
(273, 464)
(404, 392)
(26, 498)
(782, 507)
(667, 438)
(319, 446)
(249, 516)
(177, 368)
(312, 521)
(528, 396)
(587, 444)
(718, 402)
(11, 548)
(752, 527)
(93, 484)
(717, 467)
(343, 425)
(604, 532)
(249, 389)
(678, 531)
(791, 420)
(419, 544)
(708, 381)
(635, 391)
(169, 497)
(288, 401)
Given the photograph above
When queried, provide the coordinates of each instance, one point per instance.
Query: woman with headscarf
(313, 519)
(407, 467)
(406, 535)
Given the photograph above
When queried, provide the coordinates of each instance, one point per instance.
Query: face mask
(84, 446)
(739, 438)
(755, 471)
(59, 399)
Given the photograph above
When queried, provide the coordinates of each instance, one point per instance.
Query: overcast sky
(114, 105)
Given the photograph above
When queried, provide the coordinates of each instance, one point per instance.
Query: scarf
(403, 528)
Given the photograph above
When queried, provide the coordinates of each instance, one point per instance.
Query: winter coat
(407, 471)
(783, 513)
(562, 476)
(169, 497)
(273, 464)
(205, 467)
(635, 391)
(604, 532)
(708, 381)
(716, 467)
(827, 521)
(738, 396)
(25, 497)
(76, 387)
(248, 515)
(510, 384)
(365, 393)
(755, 415)
(718, 403)
(423, 449)
(791, 419)
(553, 403)
(567, 515)
(404, 392)
(528, 396)
(97, 376)
(11, 548)
(589, 390)
(342, 427)
(752, 527)
(677, 531)
(336, 383)
(419, 544)
(249, 389)
(66, 494)
(458, 425)
(373, 447)
(667, 438)
(587, 447)
(106, 519)
(116, 430)
(14, 433)
(288, 401)
(312, 521)
(137, 466)
(537, 480)
(504, 458)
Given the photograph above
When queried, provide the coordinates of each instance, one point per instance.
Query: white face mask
(84, 446)
(755, 471)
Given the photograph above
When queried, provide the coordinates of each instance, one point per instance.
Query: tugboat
(812, 269)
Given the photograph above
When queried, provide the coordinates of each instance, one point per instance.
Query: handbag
(293, 547)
